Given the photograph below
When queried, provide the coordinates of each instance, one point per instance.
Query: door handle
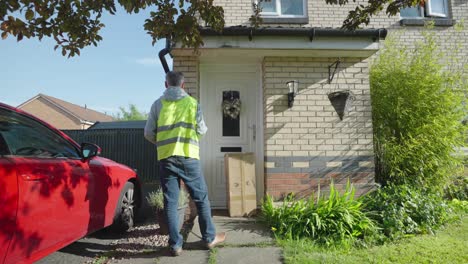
(36, 177)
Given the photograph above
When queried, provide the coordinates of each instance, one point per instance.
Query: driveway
(85, 250)
(104, 245)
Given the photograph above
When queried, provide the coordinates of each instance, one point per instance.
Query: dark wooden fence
(126, 146)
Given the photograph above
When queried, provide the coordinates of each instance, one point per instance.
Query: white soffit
(261, 46)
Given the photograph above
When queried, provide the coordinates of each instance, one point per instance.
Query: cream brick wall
(238, 12)
(189, 67)
(312, 127)
(308, 144)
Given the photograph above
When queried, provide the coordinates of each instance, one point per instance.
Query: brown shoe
(219, 238)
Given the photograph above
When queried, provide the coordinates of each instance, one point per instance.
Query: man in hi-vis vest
(175, 124)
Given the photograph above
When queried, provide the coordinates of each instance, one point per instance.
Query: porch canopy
(292, 41)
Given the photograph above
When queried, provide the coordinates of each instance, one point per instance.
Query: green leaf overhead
(75, 24)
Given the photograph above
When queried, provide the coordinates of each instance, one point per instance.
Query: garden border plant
(336, 219)
(156, 200)
(417, 101)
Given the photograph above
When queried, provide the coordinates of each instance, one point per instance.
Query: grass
(448, 245)
(256, 245)
(100, 260)
(213, 256)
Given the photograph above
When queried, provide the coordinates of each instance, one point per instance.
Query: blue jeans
(188, 170)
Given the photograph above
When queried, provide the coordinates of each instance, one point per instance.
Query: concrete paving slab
(163, 257)
(148, 259)
(240, 231)
(243, 255)
(187, 256)
(195, 257)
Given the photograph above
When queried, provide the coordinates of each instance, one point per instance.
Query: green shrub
(156, 198)
(457, 188)
(401, 210)
(336, 219)
(459, 207)
(417, 111)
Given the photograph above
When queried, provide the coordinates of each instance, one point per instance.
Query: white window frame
(420, 11)
(435, 14)
(428, 8)
(278, 10)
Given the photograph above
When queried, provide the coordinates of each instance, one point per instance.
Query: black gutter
(164, 52)
(375, 34)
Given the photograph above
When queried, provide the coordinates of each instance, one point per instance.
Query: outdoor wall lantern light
(293, 89)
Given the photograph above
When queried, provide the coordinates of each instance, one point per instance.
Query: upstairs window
(427, 8)
(283, 8)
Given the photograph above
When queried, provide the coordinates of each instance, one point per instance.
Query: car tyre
(126, 209)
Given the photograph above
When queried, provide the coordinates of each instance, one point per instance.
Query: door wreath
(232, 107)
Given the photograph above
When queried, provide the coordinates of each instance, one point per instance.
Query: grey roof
(140, 124)
(295, 31)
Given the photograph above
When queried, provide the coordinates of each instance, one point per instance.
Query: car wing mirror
(89, 150)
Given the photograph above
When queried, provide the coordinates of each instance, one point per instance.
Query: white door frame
(259, 142)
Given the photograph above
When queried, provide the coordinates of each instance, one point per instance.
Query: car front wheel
(126, 208)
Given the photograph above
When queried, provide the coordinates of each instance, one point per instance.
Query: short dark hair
(174, 78)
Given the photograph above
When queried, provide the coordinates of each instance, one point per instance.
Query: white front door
(226, 134)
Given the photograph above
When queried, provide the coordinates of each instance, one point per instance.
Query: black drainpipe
(164, 52)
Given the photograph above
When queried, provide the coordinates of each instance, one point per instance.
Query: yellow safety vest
(176, 129)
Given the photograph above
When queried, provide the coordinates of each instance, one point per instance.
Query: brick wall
(320, 14)
(51, 114)
(308, 144)
(189, 66)
(236, 12)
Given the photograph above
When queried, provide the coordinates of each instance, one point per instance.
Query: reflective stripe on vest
(176, 129)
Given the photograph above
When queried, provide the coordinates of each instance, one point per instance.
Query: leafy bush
(336, 219)
(457, 188)
(459, 207)
(417, 108)
(401, 210)
(156, 198)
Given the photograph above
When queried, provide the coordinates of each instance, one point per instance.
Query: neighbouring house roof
(82, 113)
(310, 32)
(140, 124)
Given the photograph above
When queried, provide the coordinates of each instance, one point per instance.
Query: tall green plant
(329, 220)
(417, 101)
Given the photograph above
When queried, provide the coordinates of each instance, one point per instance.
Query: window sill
(438, 22)
(285, 20)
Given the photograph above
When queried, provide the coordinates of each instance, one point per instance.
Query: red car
(54, 191)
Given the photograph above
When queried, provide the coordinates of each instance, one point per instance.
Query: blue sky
(123, 69)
